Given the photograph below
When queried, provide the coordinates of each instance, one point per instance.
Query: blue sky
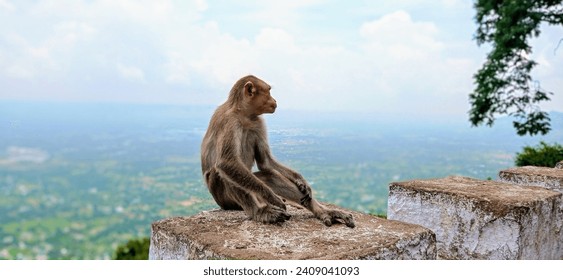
(409, 58)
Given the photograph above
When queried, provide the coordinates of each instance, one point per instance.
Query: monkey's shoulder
(236, 121)
(238, 128)
(254, 125)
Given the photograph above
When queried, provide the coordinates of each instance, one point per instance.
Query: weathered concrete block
(476, 219)
(551, 178)
(222, 234)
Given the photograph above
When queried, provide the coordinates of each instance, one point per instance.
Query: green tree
(504, 84)
(541, 155)
(134, 249)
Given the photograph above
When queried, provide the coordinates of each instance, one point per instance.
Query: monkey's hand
(271, 214)
(275, 201)
(330, 217)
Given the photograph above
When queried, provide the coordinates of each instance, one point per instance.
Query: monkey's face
(257, 96)
(264, 102)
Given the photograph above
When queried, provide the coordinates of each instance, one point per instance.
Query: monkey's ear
(249, 89)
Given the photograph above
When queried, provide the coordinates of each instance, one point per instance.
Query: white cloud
(19, 71)
(130, 72)
(23, 60)
(277, 14)
(366, 60)
(177, 69)
(223, 58)
(147, 11)
(7, 6)
(454, 3)
(66, 34)
(275, 39)
(398, 35)
(408, 65)
(27, 57)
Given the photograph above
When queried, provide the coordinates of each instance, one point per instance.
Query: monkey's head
(258, 98)
(252, 96)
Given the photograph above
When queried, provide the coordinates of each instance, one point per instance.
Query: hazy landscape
(78, 179)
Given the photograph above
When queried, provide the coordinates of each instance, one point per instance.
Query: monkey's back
(209, 142)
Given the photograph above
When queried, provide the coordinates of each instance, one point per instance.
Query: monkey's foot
(271, 214)
(330, 217)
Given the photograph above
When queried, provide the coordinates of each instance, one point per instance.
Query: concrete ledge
(550, 178)
(222, 234)
(476, 219)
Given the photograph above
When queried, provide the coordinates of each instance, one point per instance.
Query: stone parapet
(222, 234)
(475, 219)
(550, 178)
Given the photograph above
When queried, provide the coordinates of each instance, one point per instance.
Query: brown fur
(236, 139)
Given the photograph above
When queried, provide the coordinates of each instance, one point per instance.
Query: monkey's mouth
(271, 109)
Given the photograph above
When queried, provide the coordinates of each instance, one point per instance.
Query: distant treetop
(504, 84)
(542, 155)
